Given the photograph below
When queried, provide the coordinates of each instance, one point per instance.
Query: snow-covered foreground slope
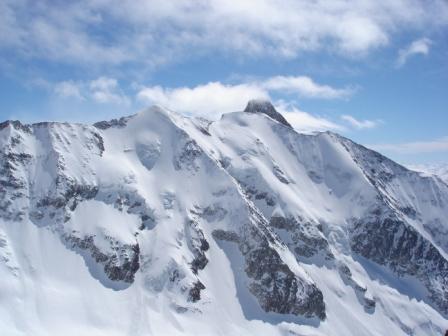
(158, 224)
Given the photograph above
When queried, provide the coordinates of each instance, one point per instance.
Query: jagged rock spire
(266, 107)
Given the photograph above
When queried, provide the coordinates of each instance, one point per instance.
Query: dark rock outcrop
(195, 291)
(187, 156)
(121, 265)
(271, 281)
(388, 241)
(16, 125)
(265, 107)
(112, 123)
(306, 238)
(278, 289)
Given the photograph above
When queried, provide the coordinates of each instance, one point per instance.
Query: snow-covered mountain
(159, 224)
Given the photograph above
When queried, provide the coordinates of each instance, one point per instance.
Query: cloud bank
(306, 87)
(213, 99)
(416, 147)
(113, 32)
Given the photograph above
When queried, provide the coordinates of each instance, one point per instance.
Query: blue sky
(375, 72)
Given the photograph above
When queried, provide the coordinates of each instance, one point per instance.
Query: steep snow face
(162, 224)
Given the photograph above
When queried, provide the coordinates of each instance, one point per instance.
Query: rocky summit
(160, 224)
(266, 107)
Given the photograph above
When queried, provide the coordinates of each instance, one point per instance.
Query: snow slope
(440, 170)
(159, 224)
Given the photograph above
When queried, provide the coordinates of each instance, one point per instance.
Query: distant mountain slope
(158, 224)
(440, 170)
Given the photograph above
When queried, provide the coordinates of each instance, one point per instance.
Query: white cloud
(305, 86)
(213, 99)
(104, 84)
(10, 30)
(304, 121)
(417, 147)
(359, 34)
(360, 124)
(101, 90)
(417, 47)
(68, 89)
(106, 90)
(209, 100)
(118, 32)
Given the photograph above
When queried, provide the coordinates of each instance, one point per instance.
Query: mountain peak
(266, 107)
(15, 124)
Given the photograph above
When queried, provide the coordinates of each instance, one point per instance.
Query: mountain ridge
(294, 225)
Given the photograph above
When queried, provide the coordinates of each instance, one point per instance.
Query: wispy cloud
(68, 89)
(106, 90)
(360, 124)
(306, 87)
(417, 147)
(304, 121)
(418, 47)
(101, 90)
(158, 31)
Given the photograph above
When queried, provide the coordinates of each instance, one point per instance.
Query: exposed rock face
(305, 238)
(13, 163)
(197, 244)
(266, 107)
(187, 156)
(120, 264)
(16, 125)
(195, 291)
(388, 241)
(112, 123)
(276, 287)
